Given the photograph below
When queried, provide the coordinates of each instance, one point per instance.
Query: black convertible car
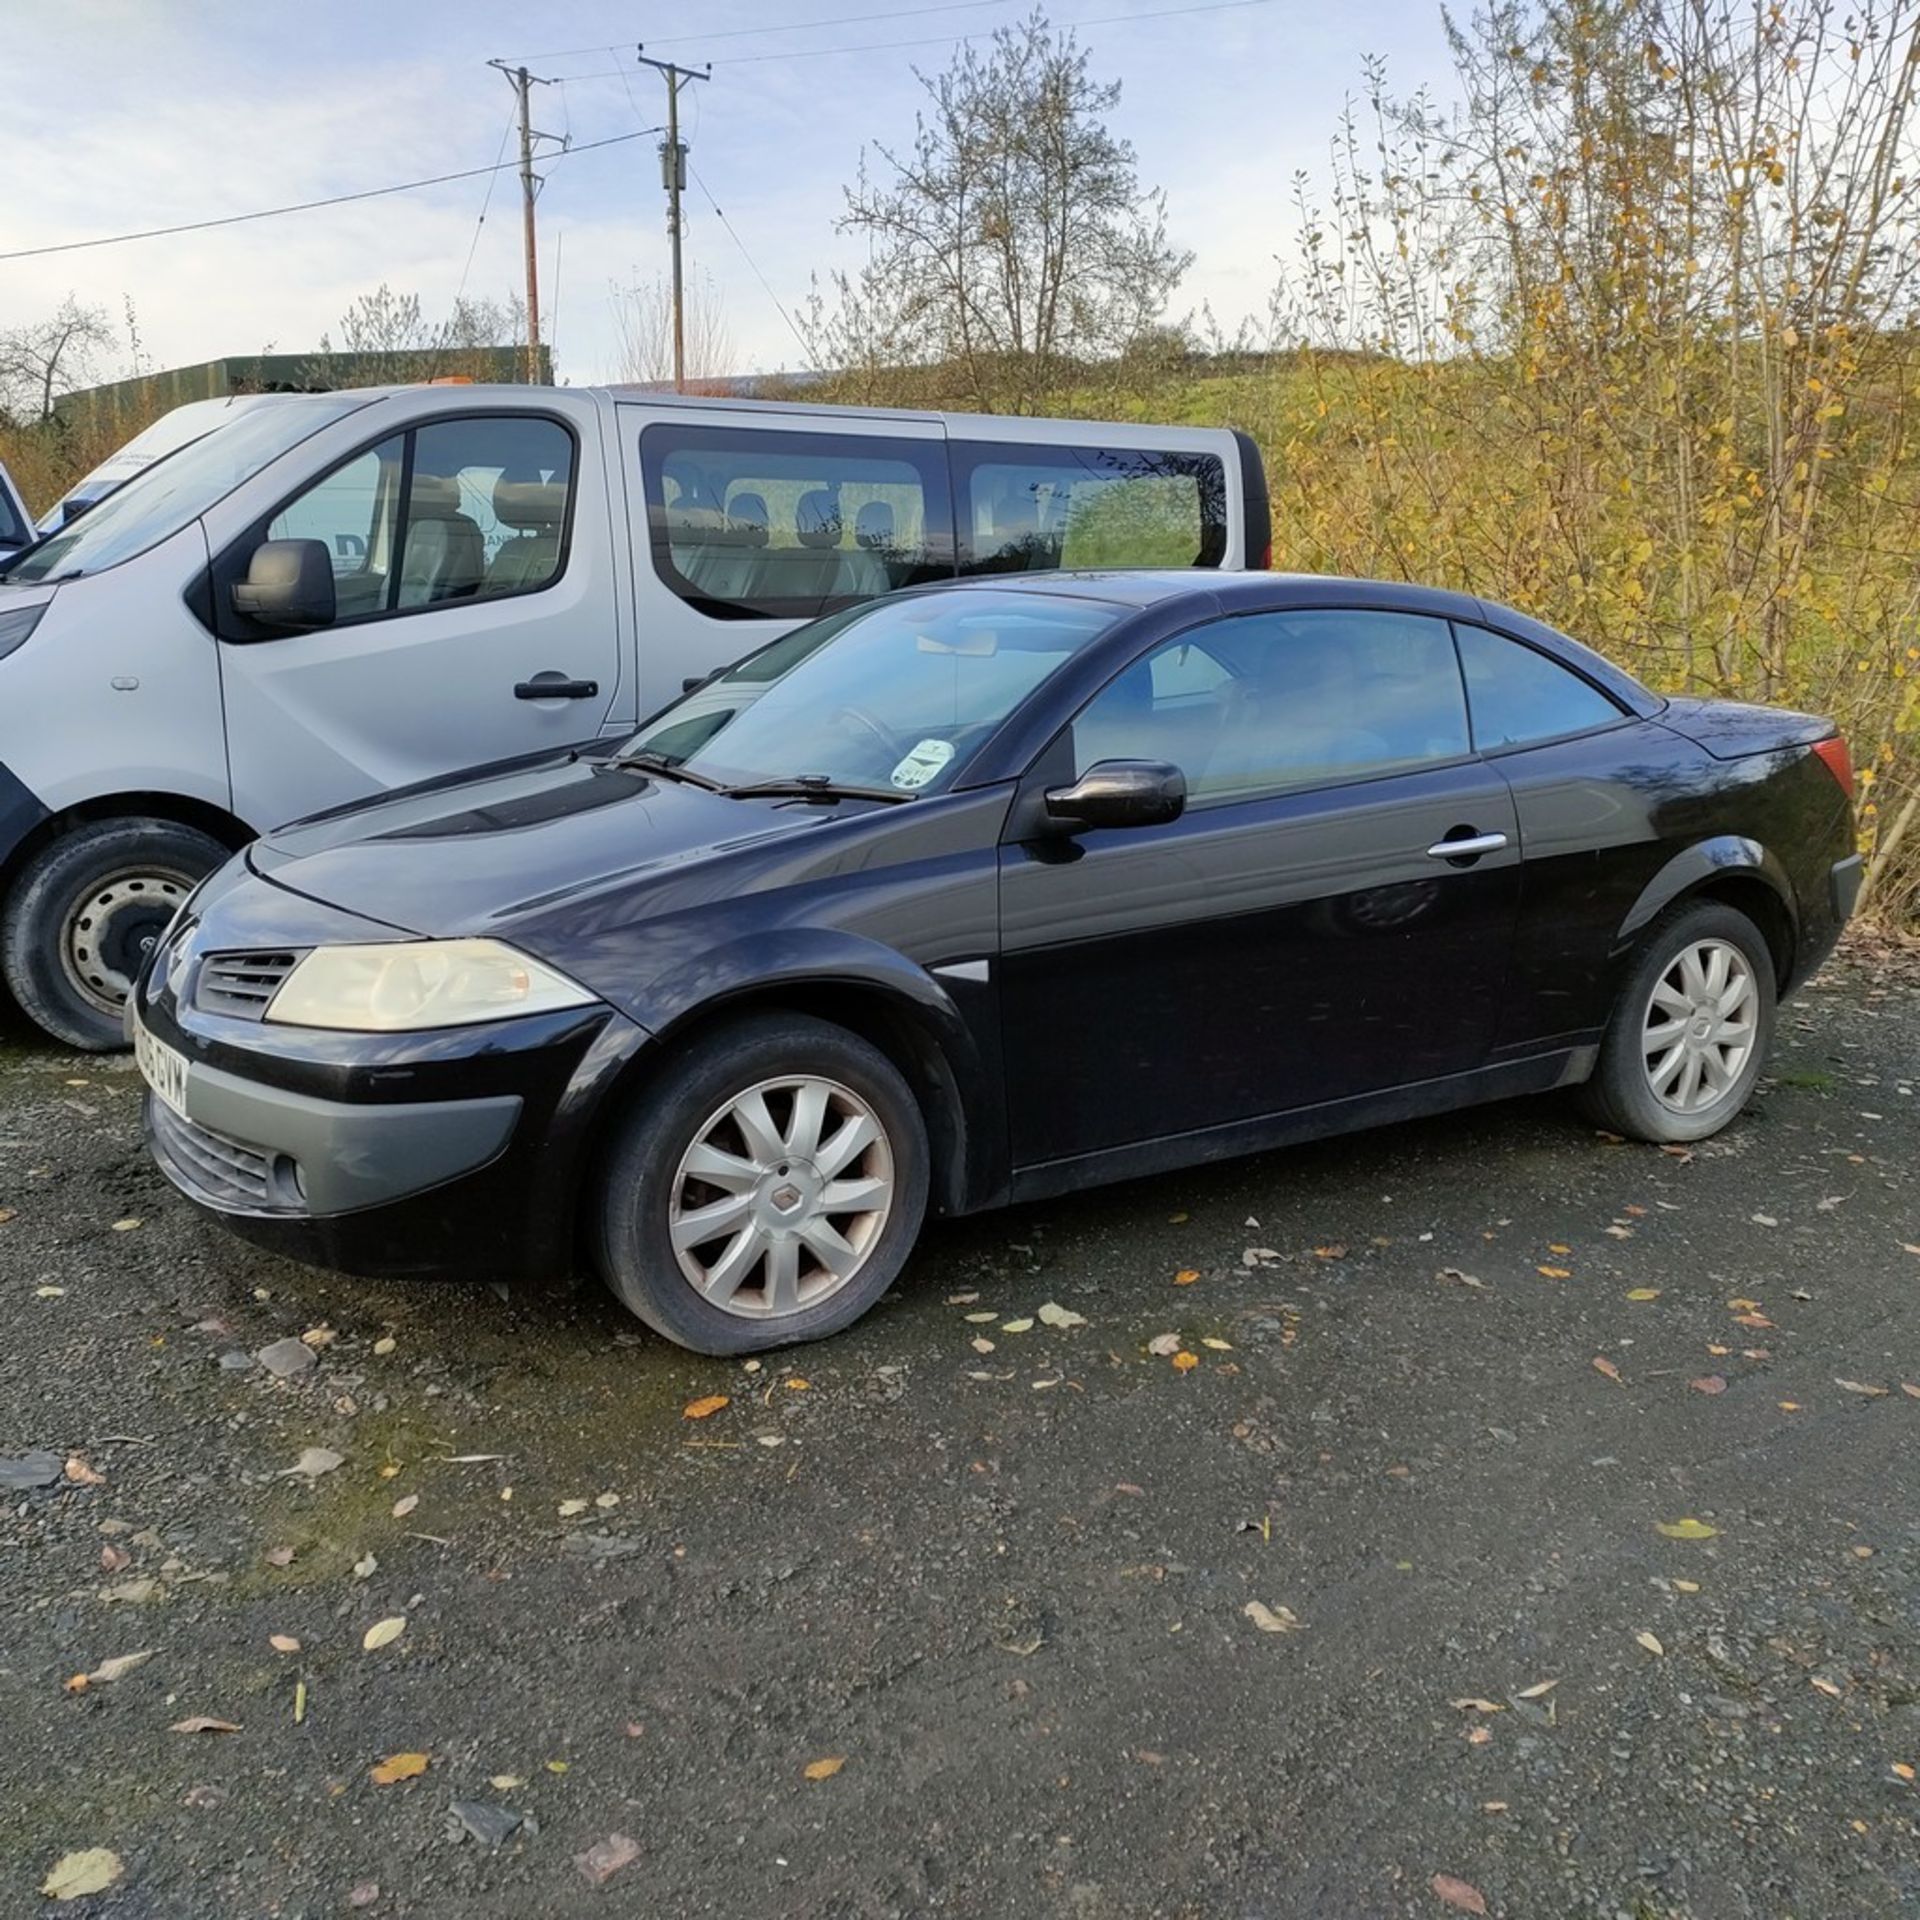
(974, 895)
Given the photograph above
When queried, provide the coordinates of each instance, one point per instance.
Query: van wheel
(86, 913)
(1690, 1031)
(767, 1188)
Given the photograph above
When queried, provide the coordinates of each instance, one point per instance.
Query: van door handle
(555, 686)
(1469, 846)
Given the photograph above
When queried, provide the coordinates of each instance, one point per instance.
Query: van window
(487, 503)
(1030, 509)
(749, 524)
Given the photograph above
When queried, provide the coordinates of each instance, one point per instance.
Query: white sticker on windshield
(922, 763)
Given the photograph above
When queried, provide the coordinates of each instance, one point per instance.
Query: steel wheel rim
(1701, 1026)
(782, 1197)
(112, 928)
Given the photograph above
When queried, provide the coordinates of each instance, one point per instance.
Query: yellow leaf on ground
(93, 1870)
(1539, 1689)
(1825, 1686)
(1650, 1641)
(1556, 1273)
(797, 1385)
(1272, 1619)
(703, 1408)
(1185, 1362)
(1686, 1586)
(1186, 1276)
(1217, 1344)
(1643, 1293)
(1687, 1529)
(825, 1769)
(396, 1767)
(383, 1633)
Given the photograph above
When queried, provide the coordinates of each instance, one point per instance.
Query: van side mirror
(1121, 793)
(289, 583)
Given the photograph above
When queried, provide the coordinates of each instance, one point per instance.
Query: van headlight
(409, 986)
(14, 627)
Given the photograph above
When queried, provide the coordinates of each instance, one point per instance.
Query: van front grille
(242, 985)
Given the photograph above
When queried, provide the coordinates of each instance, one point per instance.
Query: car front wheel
(766, 1189)
(1691, 1029)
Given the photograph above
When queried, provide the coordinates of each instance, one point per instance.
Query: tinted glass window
(13, 529)
(1027, 509)
(1518, 695)
(1268, 701)
(749, 524)
(898, 696)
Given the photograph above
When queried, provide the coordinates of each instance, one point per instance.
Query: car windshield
(897, 695)
(161, 499)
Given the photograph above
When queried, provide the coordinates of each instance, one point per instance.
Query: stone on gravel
(284, 1358)
(38, 1469)
(489, 1825)
(605, 1858)
(235, 1362)
(599, 1546)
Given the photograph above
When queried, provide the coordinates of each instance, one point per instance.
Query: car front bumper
(461, 1150)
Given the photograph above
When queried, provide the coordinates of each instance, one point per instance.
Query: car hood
(475, 854)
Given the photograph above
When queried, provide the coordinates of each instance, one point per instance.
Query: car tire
(83, 915)
(793, 1199)
(1676, 996)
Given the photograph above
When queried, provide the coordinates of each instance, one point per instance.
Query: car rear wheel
(1691, 1029)
(85, 914)
(767, 1189)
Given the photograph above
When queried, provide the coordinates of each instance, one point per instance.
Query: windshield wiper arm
(811, 786)
(658, 763)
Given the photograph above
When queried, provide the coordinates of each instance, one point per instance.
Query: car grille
(219, 1169)
(242, 984)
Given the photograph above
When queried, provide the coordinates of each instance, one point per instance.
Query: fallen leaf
(1686, 1586)
(396, 1767)
(1272, 1619)
(366, 1567)
(1643, 1293)
(1763, 1220)
(49, 1293)
(1556, 1273)
(979, 1319)
(385, 1344)
(1016, 1326)
(1650, 1641)
(1855, 1386)
(797, 1385)
(1617, 1232)
(1539, 1689)
(1461, 1895)
(606, 1502)
(278, 1556)
(1334, 1252)
(568, 1508)
(318, 1337)
(1554, 1246)
(125, 1226)
(556, 1766)
(110, 1670)
(1825, 1686)
(1901, 1768)
(980, 1344)
(1708, 1383)
(1185, 1362)
(1186, 1276)
(314, 1462)
(1217, 1344)
(79, 1474)
(1460, 1279)
(202, 1723)
(506, 1782)
(383, 1633)
(1910, 1390)
(1479, 1736)
(1472, 1703)
(1163, 1344)
(1682, 1154)
(403, 1507)
(283, 1643)
(605, 1858)
(1688, 1529)
(389, 1470)
(1603, 1365)
(464, 1460)
(1058, 1316)
(705, 1407)
(826, 1768)
(75, 1875)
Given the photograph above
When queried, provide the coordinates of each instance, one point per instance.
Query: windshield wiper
(811, 786)
(659, 763)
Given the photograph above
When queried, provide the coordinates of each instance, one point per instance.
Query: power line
(308, 206)
(506, 134)
(766, 284)
(793, 26)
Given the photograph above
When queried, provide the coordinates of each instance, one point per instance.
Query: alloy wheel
(782, 1197)
(1701, 1026)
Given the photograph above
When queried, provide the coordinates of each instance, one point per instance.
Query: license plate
(163, 1069)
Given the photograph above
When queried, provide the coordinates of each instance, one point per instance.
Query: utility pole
(673, 176)
(523, 83)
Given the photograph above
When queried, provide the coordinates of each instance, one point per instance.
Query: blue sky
(124, 115)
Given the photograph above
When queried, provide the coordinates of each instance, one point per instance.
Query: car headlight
(14, 627)
(409, 986)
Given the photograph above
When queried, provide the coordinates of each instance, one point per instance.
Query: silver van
(349, 592)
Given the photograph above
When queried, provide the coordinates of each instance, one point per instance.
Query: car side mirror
(289, 583)
(1121, 793)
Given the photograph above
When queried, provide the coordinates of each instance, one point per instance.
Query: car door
(1299, 936)
(474, 620)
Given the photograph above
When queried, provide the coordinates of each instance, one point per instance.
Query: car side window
(486, 506)
(1519, 695)
(1285, 700)
(752, 524)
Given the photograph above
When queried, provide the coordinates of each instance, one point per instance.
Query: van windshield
(158, 501)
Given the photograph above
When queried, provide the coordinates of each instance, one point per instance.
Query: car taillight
(1838, 761)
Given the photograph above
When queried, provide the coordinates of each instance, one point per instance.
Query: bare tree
(50, 357)
(643, 323)
(390, 331)
(1013, 239)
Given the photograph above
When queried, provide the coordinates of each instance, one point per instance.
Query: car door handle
(555, 686)
(1468, 847)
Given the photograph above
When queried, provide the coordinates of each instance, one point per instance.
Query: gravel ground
(1440, 1396)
